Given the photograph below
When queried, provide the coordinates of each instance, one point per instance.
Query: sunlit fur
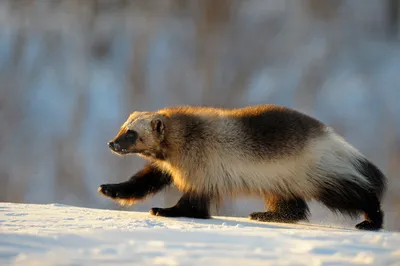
(221, 160)
(272, 152)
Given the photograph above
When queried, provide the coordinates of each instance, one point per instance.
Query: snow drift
(33, 234)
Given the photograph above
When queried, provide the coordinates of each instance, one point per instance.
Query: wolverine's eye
(131, 135)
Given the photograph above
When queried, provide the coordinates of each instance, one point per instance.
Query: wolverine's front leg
(189, 205)
(149, 180)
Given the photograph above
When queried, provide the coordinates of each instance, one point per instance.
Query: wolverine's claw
(367, 225)
(154, 211)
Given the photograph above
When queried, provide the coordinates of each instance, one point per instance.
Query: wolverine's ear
(157, 125)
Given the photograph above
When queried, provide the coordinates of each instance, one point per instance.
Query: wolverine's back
(269, 129)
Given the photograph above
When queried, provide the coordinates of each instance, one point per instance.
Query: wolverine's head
(142, 134)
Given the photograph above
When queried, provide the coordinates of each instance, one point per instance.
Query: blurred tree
(393, 17)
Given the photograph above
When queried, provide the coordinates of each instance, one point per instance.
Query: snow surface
(54, 234)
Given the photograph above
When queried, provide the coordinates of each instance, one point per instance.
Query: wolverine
(281, 155)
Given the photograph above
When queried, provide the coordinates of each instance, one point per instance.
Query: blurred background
(71, 71)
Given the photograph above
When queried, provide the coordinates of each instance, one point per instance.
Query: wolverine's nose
(114, 146)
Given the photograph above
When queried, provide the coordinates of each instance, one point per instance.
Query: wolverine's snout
(124, 143)
(114, 146)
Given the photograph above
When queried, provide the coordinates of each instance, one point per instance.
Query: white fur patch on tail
(336, 159)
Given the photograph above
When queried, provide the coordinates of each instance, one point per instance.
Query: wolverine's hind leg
(282, 210)
(147, 181)
(350, 198)
(189, 205)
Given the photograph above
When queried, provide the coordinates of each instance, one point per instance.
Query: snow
(54, 234)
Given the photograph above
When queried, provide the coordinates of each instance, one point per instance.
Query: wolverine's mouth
(122, 152)
(116, 148)
(125, 151)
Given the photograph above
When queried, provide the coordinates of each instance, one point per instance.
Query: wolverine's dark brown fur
(269, 151)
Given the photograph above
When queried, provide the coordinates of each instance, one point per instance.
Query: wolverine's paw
(264, 216)
(177, 212)
(161, 212)
(111, 191)
(117, 193)
(271, 217)
(367, 225)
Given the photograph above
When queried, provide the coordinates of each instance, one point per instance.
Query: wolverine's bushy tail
(350, 183)
(353, 166)
(377, 179)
